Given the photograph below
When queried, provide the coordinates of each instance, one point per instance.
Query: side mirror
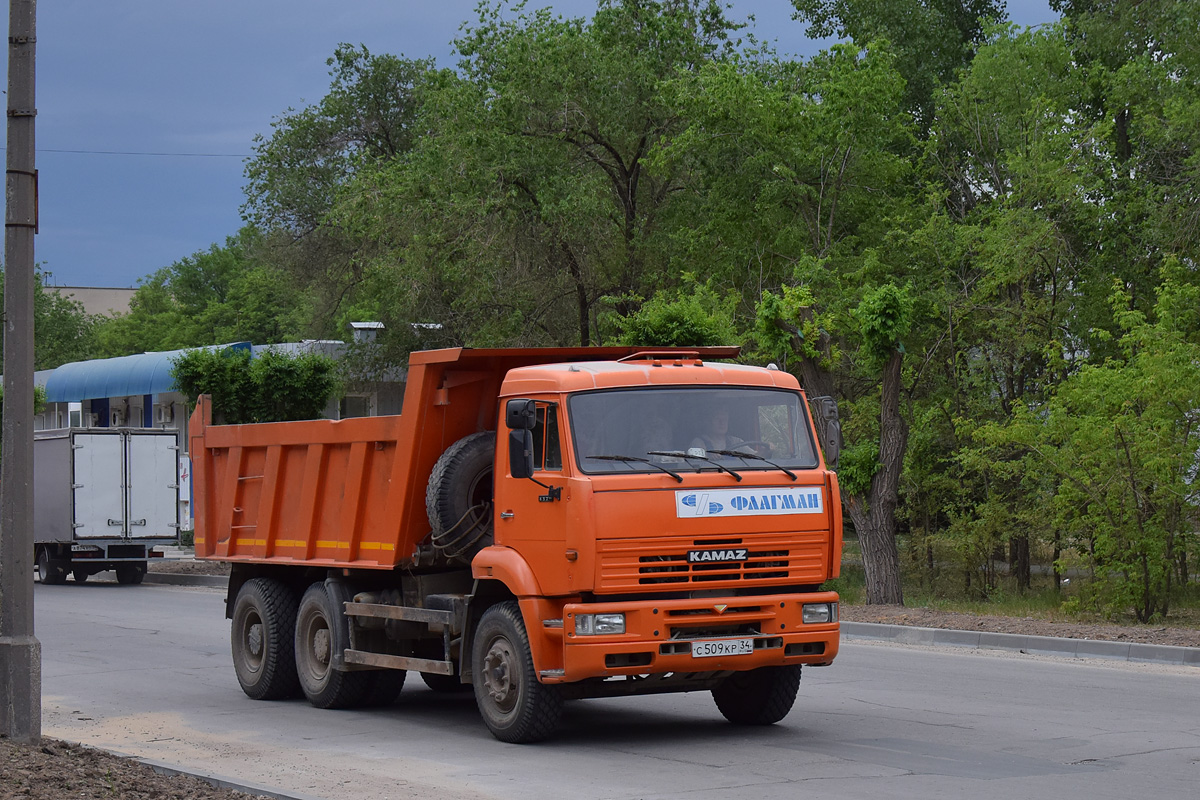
(521, 414)
(520, 452)
(829, 428)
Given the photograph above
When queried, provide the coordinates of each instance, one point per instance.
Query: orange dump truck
(539, 525)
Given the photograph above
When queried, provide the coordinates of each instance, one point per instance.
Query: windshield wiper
(686, 454)
(654, 464)
(756, 457)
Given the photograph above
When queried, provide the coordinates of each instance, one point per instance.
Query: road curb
(220, 781)
(181, 579)
(1018, 643)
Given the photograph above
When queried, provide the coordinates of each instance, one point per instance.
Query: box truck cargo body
(103, 500)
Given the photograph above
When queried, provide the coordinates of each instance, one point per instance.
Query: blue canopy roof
(145, 373)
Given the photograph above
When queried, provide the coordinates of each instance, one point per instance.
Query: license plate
(722, 647)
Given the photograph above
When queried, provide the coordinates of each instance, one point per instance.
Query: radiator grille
(663, 563)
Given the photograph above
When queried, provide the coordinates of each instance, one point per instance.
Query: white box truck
(103, 499)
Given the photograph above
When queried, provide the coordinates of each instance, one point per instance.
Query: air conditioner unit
(116, 419)
(163, 414)
(93, 420)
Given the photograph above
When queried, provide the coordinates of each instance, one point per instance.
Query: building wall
(96, 300)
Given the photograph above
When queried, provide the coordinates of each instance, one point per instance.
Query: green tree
(62, 330)
(1122, 437)
(272, 387)
(366, 120)
(220, 295)
(800, 171)
(700, 317)
(532, 198)
(932, 39)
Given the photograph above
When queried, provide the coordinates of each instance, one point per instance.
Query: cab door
(531, 513)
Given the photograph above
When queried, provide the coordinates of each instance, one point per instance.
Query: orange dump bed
(350, 493)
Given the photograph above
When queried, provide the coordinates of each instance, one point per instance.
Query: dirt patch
(53, 770)
(188, 566)
(1025, 626)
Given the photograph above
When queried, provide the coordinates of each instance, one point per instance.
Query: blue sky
(120, 81)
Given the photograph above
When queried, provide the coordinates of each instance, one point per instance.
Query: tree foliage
(929, 222)
(220, 295)
(271, 387)
(62, 330)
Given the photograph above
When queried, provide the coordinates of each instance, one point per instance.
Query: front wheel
(324, 686)
(760, 696)
(515, 706)
(264, 625)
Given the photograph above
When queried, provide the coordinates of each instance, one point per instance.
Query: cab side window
(547, 448)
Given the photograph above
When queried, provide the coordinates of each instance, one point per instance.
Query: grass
(1042, 601)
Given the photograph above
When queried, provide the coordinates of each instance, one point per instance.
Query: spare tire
(459, 497)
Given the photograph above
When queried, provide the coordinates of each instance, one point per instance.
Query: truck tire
(81, 575)
(130, 574)
(264, 625)
(760, 696)
(324, 686)
(385, 686)
(459, 496)
(444, 684)
(515, 706)
(50, 572)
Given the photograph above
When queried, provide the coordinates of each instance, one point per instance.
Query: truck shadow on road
(593, 722)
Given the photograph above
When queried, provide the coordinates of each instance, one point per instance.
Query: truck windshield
(688, 429)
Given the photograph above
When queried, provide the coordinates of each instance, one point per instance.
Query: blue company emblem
(692, 501)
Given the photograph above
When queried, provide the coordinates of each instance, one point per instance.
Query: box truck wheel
(264, 625)
(514, 705)
(130, 573)
(759, 696)
(459, 496)
(50, 571)
(324, 686)
(80, 575)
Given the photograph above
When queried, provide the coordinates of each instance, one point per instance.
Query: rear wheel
(759, 697)
(515, 706)
(445, 684)
(128, 573)
(385, 686)
(324, 686)
(50, 572)
(264, 625)
(80, 575)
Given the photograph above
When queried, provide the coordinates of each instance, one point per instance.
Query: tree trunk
(875, 515)
(1018, 548)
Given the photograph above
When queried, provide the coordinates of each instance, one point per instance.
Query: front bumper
(659, 634)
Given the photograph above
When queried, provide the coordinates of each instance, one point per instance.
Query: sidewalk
(1016, 643)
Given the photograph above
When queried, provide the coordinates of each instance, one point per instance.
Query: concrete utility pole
(20, 651)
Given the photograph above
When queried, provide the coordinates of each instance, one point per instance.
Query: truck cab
(538, 526)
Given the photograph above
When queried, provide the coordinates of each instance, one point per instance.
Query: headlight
(599, 624)
(820, 612)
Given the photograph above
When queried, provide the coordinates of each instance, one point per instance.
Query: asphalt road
(145, 670)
